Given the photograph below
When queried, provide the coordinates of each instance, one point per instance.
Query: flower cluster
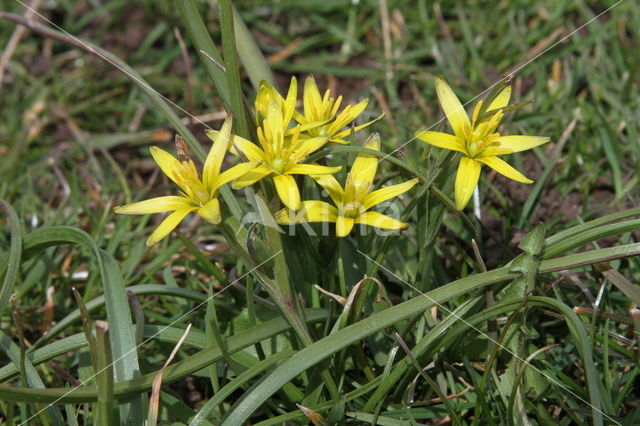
(286, 138)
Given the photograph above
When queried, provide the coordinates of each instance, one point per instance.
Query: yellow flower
(352, 203)
(281, 150)
(198, 195)
(321, 115)
(280, 156)
(268, 95)
(477, 140)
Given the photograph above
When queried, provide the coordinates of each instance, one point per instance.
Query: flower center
(186, 176)
(476, 148)
(352, 209)
(277, 165)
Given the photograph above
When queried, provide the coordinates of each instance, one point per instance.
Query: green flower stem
(280, 291)
(254, 62)
(427, 187)
(281, 270)
(468, 223)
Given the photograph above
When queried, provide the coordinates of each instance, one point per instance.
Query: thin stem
(280, 291)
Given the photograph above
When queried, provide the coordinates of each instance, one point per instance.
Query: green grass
(74, 140)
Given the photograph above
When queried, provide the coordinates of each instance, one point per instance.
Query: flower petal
(311, 211)
(252, 177)
(453, 109)
(168, 225)
(319, 211)
(383, 194)
(288, 191)
(289, 106)
(442, 140)
(344, 225)
(331, 185)
(154, 205)
(308, 146)
(230, 174)
(312, 169)
(349, 114)
(338, 136)
(521, 143)
(365, 166)
(266, 95)
(311, 100)
(211, 211)
(217, 152)
(466, 181)
(305, 126)
(166, 161)
(380, 220)
(500, 101)
(504, 168)
(241, 146)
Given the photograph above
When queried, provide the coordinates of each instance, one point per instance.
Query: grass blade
(323, 348)
(176, 371)
(122, 340)
(12, 351)
(204, 43)
(13, 260)
(254, 62)
(590, 235)
(241, 380)
(236, 103)
(106, 412)
(158, 100)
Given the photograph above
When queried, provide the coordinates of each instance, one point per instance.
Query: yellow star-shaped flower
(197, 195)
(280, 156)
(321, 115)
(477, 140)
(354, 201)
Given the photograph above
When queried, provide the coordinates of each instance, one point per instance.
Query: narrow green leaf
(97, 302)
(13, 260)
(202, 40)
(233, 71)
(106, 413)
(242, 380)
(587, 236)
(176, 371)
(57, 348)
(160, 102)
(629, 289)
(323, 348)
(12, 351)
(252, 59)
(578, 229)
(118, 314)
